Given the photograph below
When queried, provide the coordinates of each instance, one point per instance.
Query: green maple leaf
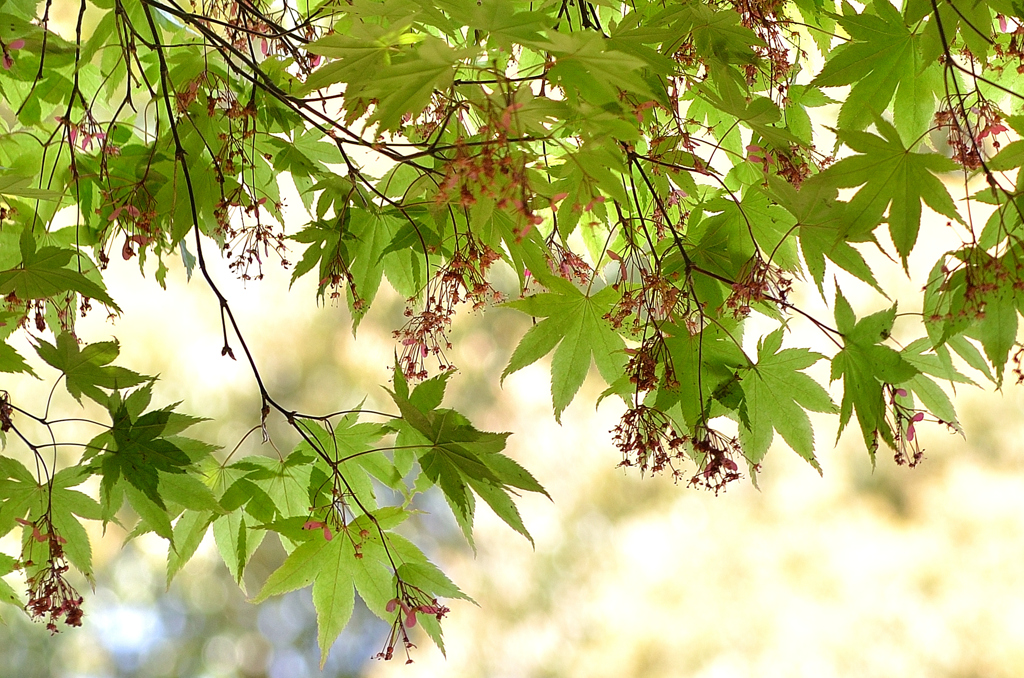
(776, 394)
(891, 175)
(7, 593)
(460, 459)
(237, 534)
(406, 85)
(350, 447)
(188, 533)
(337, 569)
(12, 362)
(573, 321)
(284, 482)
(591, 73)
(926, 390)
(363, 49)
(328, 566)
(703, 365)
(883, 56)
(21, 187)
(87, 370)
(138, 448)
(25, 498)
(44, 273)
(865, 365)
(824, 228)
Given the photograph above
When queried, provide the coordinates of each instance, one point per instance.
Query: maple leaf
(44, 273)
(825, 228)
(138, 449)
(865, 365)
(25, 497)
(358, 558)
(573, 321)
(87, 370)
(460, 459)
(891, 175)
(882, 58)
(777, 395)
(406, 85)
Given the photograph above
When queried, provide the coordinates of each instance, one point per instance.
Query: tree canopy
(651, 175)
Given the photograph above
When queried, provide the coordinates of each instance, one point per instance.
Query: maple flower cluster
(463, 278)
(966, 131)
(494, 168)
(49, 593)
(411, 601)
(717, 460)
(908, 451)
(648, 441)
(763, 282)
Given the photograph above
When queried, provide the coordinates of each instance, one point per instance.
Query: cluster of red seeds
(762, 281)
(50, 596)
(409, 602)
(463, 278)
(966, 131)
(717, 455)
(648, 441)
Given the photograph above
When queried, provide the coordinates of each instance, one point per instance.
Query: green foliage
(650, 174)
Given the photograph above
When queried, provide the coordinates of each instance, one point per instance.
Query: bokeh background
(861, 572)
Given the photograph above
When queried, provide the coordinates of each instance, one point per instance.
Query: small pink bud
(19, 43)
(126, 250)
(8, 62)
(917, 417)
(133, 210)
(115, 214)
(1002, 23)
(559, 196)
(901, 392)
(264, 47)
(327, 533)
(392, 605)
(910, 433)
(410, 619)
(315, 61)
(312, 525)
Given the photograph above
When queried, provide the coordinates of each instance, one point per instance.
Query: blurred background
(861, 572)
